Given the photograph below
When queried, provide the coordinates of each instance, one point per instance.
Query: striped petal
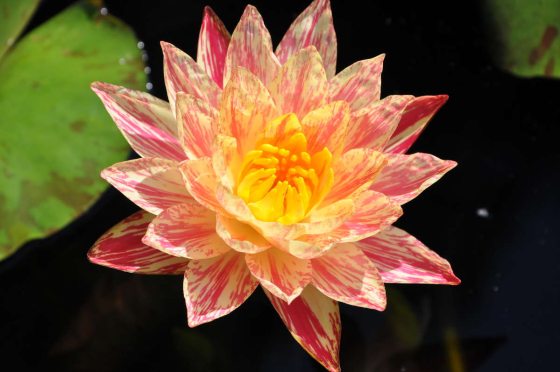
(326, 127)
(414, 119)
(197, 125)
(284, 275)
(152, 184)
(372, 126)
(240, 236)
(183, 74)
(358, 84)
(251, 47)
(186, 230)
(314, 321)
(213, 42)
(354, 170)
(215, 287)
(374, 212)
(246, 109)
(312, 27)
(301, 84)
(347, 275)
(121, 248)
(406, 176)
(401, 258)
(201, 182)
(145, 121)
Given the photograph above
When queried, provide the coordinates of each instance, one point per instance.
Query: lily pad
(14, 15)
(55, 135)
(526, 35)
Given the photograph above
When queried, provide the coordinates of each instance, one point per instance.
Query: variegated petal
(213, 42)
(152, 184)
(121, 248)
(401, 258)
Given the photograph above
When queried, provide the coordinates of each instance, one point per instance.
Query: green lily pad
(14, 15)
(55, 134)
(526, 35)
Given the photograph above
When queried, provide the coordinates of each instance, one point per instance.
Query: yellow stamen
(280, 180)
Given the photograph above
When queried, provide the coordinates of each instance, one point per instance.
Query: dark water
(494, 217)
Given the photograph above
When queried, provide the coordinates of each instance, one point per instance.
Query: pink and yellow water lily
(269, 168)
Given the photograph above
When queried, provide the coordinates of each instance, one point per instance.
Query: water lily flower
(268, 168)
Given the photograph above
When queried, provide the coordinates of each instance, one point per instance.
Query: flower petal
(246, 109)
(358, 84)
(284, 275)
(406, 176)
(201, 182)
(312, 27)
(144, 120)
(121, 248)
(213, 42)
(326, 127)
(346, 274)
(217, 286)
(301, 84)
(401, 258)
(226, 160)
(355, 169)
(372, 126)
(414, 119)
(152, 184)
(183, 74)
(240, 236)
(251, 47)
(186, 230)
(197, 124)
(374, 212)
(314, 321)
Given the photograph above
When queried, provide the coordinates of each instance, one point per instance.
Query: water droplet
(149, 86)
(140, 45)
(495, 288)
(147, 70)
(388, 21)
(403, 369)
(144, 56)
(104, 11)
(482, 213)
(122, 61)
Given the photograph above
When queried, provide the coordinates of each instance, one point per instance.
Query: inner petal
(280, 180)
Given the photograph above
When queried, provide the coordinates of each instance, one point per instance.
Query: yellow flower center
(280, 180)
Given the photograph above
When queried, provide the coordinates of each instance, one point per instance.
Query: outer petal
(358, 84)
(326, 127)
(197, 123)
(354, 170)
(213, 42)
(215, 287)
(182, 74)
(145, 121)
(401, 258)
(372, 126)
(186, 230)
(284, 275)
(246, 109)
(240, 236)
(346, 274)
(152, 184)
(121, 248)
(312, 27)
(415, 118)
(374, 212)
(406, 176)
(251, 47)
(314, 321)
(301, 84)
